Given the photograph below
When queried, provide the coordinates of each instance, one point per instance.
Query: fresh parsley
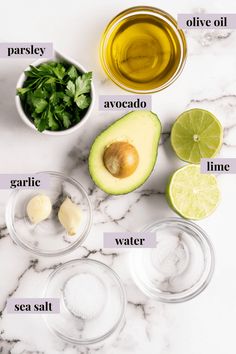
(55, 95)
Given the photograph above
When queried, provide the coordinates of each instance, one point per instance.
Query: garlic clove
(39, 208)
(69, 216)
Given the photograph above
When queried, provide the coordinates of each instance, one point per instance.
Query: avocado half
(142, 129)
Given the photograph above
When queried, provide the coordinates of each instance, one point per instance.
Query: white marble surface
(202, 326)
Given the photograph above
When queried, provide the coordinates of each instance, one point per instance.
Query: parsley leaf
(72, 72)
(52, 123)
(23, 90)
(41, 124)
(70, 89)
(66, 118)
(83, 84)
(40, 104)
(59, 71)
(83, 101)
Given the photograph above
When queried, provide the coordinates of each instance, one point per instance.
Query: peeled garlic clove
(39, 208)
(69, 216)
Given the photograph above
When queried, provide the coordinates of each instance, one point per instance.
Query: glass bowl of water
(180, 266)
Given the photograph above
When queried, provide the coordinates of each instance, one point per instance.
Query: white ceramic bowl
(57, 56)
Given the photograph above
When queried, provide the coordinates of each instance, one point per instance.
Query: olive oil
(143, 51)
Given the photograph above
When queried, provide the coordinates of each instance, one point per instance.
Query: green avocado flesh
(142, 129)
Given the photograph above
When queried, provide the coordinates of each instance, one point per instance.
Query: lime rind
(207, 129)
(191, 194)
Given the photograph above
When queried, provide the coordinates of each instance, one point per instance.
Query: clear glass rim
(14, 236)
(119, 321)
(150, 11)
(201, 284)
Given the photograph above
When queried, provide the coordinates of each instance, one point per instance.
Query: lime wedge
(195, 134)
(191, 194)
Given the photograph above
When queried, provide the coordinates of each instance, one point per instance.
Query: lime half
(195, 134)
(191, 194)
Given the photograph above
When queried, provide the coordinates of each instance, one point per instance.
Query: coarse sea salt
(84, 295)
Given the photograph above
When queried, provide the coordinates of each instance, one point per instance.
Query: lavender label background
(55, 305)
(183, 18)
(5, 180)
(109, 239)
(48, 52)
(124, 98)
(224, 161)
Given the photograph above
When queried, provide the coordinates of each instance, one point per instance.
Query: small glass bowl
(100, 305)
(48, 238)
(146, 11)
(181, 265)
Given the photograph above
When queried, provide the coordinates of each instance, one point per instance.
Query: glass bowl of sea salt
(181, 264)
(92, 303)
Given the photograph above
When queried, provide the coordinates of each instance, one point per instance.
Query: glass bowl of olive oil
(142, 49)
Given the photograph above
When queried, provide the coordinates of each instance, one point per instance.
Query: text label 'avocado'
(125, 102)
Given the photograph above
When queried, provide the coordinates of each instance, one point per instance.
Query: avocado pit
(121, 159)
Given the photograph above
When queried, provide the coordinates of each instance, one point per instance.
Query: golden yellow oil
(143, 52)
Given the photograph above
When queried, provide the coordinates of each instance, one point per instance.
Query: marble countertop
(203, 325)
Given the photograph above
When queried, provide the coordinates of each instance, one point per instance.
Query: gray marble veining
(204, 325)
